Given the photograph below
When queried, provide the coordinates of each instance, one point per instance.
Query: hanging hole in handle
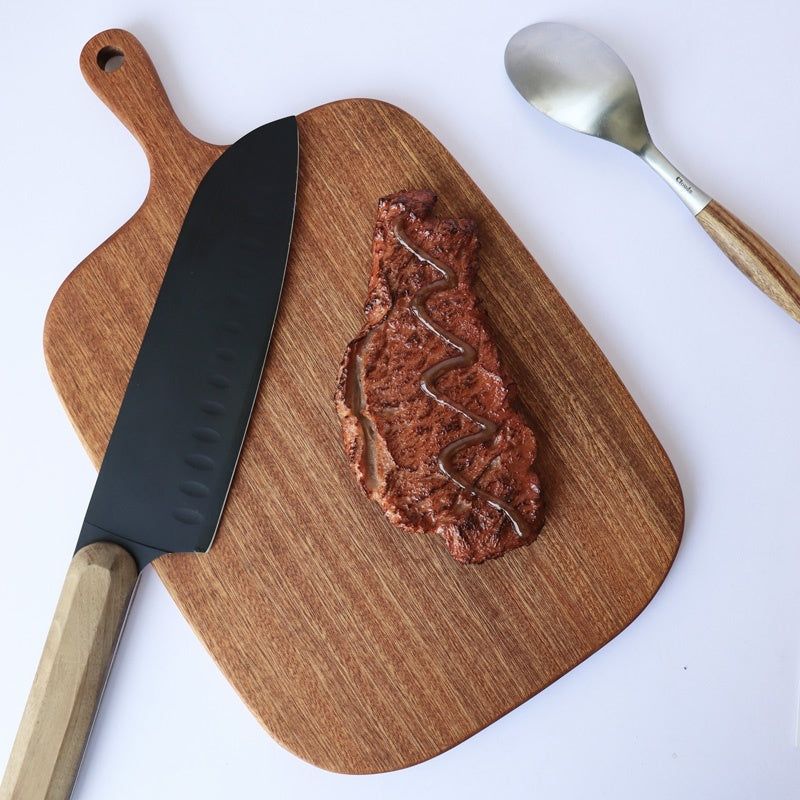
(110, 59)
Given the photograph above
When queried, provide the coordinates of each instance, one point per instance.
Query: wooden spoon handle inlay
(759, 261)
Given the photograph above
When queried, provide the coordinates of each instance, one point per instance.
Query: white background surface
(698, 698)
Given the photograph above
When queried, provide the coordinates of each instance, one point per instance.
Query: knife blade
(171, 457)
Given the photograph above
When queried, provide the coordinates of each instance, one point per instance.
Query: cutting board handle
(121, 74)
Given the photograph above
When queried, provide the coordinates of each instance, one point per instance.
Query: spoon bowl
(579, 81)
(592, 91)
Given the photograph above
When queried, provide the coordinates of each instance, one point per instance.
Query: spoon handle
(759, 261)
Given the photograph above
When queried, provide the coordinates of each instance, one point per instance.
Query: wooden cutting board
(361, 648)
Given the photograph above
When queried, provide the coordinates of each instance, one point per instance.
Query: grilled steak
(425, 404)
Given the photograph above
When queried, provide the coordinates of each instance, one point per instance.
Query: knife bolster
(142, 554)
(71, 675)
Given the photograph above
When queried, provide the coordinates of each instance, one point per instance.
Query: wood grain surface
(756, 258)
(360, 648)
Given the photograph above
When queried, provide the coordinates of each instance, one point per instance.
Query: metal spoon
(582, 83)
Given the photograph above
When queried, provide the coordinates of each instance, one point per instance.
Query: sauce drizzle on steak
(466, 358)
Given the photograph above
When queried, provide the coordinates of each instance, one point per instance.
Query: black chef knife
(174, 447)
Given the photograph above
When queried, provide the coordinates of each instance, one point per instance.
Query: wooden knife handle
(119, 70)
(71, 675)
(760, 262)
